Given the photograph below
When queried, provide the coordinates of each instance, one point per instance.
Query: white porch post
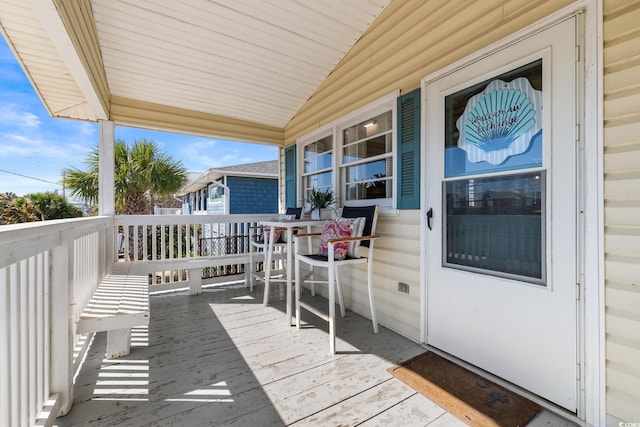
(106, 192)
(106, 183)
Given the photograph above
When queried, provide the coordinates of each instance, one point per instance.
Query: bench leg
(118, 343)
(195, 281)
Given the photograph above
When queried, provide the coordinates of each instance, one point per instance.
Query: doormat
(470, 397)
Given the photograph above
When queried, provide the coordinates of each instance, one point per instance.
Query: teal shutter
(408, 166)
(290, 200)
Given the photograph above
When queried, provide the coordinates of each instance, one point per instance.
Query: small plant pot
(324, 213)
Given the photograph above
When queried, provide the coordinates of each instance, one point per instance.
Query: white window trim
(381, 105)
(301, 144)
(387, 103)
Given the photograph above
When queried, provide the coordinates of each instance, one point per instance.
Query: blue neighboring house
(240, 189)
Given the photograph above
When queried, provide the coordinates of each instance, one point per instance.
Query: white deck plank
(412, 411)
(221, 358)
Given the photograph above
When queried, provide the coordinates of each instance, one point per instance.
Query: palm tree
(143, 173)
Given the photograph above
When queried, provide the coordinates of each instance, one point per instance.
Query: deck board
(221, 358)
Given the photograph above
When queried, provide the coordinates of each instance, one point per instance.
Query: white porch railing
(167, 211)
(48, 272)
(146, 238)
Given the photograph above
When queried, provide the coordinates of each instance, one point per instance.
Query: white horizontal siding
(622, 206)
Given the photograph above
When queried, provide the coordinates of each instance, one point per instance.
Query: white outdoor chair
(258, 243)
(361, 252)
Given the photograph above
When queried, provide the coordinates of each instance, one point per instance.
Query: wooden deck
(221, 358)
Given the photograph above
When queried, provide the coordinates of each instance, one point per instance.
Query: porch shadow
(187, 371)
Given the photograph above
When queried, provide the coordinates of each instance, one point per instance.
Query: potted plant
(319, 203)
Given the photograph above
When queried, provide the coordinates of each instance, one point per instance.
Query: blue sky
(34, 148)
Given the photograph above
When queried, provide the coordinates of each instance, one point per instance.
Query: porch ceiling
(233, 62)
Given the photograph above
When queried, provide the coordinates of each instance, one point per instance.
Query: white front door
(501, 202)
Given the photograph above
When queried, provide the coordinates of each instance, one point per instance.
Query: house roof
(268, 169)
(235, 69)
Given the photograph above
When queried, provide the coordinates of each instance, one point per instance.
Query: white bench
(120, 302)
(194, 266)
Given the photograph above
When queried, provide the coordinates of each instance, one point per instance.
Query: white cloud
(201, 154)
(87, 128)
(23, 145)
(11, 114)
(22, 137)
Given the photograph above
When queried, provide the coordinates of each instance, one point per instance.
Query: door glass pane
(495, 225)
(495, 125)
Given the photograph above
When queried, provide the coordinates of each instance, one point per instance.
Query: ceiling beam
(148, 115)
(71, 28)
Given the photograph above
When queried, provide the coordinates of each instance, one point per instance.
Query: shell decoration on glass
(500, 121)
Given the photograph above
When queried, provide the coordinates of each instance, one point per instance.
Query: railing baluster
(145, 249)
(24, 342)
(5, 346)
(163, 253)
(170, 243)
(187, 236)
(46, 290)
(32, 349)
(14, 346)
(40, 322)
(179, 230)
(154, 242)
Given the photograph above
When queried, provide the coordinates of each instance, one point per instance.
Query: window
(362, 170)
(318, 165)
(217, 201)
(367, 159)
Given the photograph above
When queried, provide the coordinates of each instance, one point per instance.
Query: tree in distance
(35, 207)
(143, 174)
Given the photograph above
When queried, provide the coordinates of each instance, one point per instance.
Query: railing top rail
(188, 219)
(78, 226)
(19, 241)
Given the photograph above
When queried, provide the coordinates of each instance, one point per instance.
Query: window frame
(387, 103)
(369, 114)
(300, 177)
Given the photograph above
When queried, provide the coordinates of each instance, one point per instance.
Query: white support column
(106, 196)
(106, 184)
(61, 338)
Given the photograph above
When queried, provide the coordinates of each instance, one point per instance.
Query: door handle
(429, 216)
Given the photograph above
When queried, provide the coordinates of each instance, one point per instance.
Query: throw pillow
(335, 230)
(356, 231)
